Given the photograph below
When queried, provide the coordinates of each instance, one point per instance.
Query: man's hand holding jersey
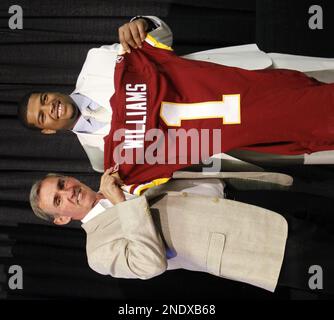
(132, 34)
(110, 186)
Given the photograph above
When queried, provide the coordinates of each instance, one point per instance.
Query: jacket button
(215, 199)
(184, 194)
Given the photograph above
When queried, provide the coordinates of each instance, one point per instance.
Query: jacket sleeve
(140, 253)
(162, 33)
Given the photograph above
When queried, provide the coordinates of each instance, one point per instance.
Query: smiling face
(66, 198)
(51, 111)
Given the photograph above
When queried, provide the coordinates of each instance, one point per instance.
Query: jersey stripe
(155, 43)
(139, 189)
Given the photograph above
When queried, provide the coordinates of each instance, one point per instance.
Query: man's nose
(47, 107)
(67, 193)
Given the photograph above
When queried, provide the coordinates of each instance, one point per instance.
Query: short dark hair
(23, 109)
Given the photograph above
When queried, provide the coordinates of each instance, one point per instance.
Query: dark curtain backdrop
(47, 55)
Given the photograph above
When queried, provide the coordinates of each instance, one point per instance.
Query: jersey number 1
(228, 110)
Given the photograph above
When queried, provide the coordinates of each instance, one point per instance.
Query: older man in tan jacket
(188, 224)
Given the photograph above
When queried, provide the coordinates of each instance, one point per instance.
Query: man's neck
(76, 120)
(99, 196)
(78, 113)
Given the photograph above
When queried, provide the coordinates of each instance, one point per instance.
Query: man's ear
(61, 220)
(48, 131)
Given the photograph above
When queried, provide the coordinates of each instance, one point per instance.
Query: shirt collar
(100, 207)
(82, 124)
(80, 100)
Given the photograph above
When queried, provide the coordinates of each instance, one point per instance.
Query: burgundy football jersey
(170, 112)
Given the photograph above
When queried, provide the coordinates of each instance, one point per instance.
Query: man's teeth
(60, 110)
(79, 196)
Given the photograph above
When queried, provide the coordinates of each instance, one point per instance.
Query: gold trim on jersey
(138, 190)
(157, 44)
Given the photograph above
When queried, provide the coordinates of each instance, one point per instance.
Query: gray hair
(34, 198)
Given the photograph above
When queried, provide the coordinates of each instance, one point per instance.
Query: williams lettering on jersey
(136, 106)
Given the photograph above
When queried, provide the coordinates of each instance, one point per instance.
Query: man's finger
(105, 174)
(122, 40)
(108, 170)
(118, 178)
(114, 168)
(113, 180)
(110, 181)
(135, 34)
(142, 31)
(129, 39)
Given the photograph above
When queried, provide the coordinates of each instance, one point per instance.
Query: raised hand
(132, 34)
(110, 186)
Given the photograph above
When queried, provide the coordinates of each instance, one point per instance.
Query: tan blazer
(226, 238)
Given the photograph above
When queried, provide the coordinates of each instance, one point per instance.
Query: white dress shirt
(87, 124)
(102, 206)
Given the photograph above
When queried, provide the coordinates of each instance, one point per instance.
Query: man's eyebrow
(39, 113)
(54, 201)
(59, 184)
(58, 188)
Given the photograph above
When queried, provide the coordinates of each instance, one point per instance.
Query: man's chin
(75, 112)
